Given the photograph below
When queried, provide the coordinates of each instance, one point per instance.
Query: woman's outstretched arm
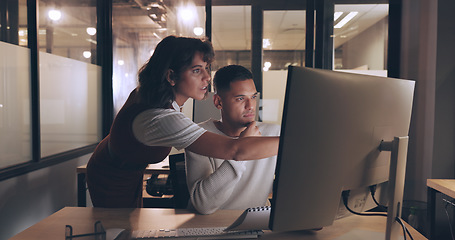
(240, 149)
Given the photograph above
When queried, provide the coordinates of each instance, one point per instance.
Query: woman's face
(193, 81)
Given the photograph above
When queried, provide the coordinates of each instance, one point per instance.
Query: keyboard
(196, 233)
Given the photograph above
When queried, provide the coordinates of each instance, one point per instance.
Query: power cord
(404, 228)
(448, 216)
(373, 192)
(345, 195)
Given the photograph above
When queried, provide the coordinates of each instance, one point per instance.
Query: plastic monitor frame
(321, 109)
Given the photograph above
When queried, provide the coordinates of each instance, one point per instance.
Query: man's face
(238, 105)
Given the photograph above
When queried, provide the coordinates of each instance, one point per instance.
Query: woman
(150, 123)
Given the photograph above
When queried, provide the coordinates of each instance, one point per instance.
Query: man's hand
(251, 130)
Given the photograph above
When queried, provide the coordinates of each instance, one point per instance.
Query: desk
(82, 220)
(157, 168)
(444, 186)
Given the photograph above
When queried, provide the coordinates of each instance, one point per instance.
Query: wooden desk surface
(446, 186)
(82, 220)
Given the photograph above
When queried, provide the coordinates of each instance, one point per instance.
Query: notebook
(252, 219)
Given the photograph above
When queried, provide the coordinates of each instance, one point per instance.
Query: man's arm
(210, 187)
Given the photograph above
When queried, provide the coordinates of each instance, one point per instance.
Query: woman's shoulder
(162, 117)
(159, 112)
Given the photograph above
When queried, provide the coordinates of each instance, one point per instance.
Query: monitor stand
(399, 150)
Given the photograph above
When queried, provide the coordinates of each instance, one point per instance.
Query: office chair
(178, 180)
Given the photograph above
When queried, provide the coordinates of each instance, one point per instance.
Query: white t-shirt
(227, 184)
(165, 127)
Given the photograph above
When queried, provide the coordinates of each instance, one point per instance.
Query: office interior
(67, 66)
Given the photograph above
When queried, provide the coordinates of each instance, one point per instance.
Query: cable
(404, 228)
(345, 195)
(373, 191)
(448, 216)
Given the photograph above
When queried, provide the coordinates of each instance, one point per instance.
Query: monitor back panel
(332, 126)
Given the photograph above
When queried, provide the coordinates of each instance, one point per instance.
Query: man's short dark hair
(225, 75)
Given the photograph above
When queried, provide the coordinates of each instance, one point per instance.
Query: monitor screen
(333, 124)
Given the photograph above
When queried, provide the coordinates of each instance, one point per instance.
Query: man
(228, 184)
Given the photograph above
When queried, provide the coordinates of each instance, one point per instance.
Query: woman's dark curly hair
(175, 53)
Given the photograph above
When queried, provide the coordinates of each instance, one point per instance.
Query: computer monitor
(333, 124)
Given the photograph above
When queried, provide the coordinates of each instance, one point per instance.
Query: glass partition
(15, 132)
(138, 27)
(283, 45)
(70, 93)
(231, 36)
(22, 27)
(68, 29)
(360, 38)
(13, 21)
(15, 128)
(70, 104)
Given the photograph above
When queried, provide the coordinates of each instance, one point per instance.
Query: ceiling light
(198, 31)
(156, 35)
(91, 41)
(346, 19)
(87, 54)
(336, 15)
(54, 14)
(91, 31)
(266, 43)
(186, 14)
(120, 62)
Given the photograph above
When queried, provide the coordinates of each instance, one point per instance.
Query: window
(360, 38)
(69, 104)
(15, 132)
(137, 29)
(284, 45)
(231, 38)
(70, 82)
